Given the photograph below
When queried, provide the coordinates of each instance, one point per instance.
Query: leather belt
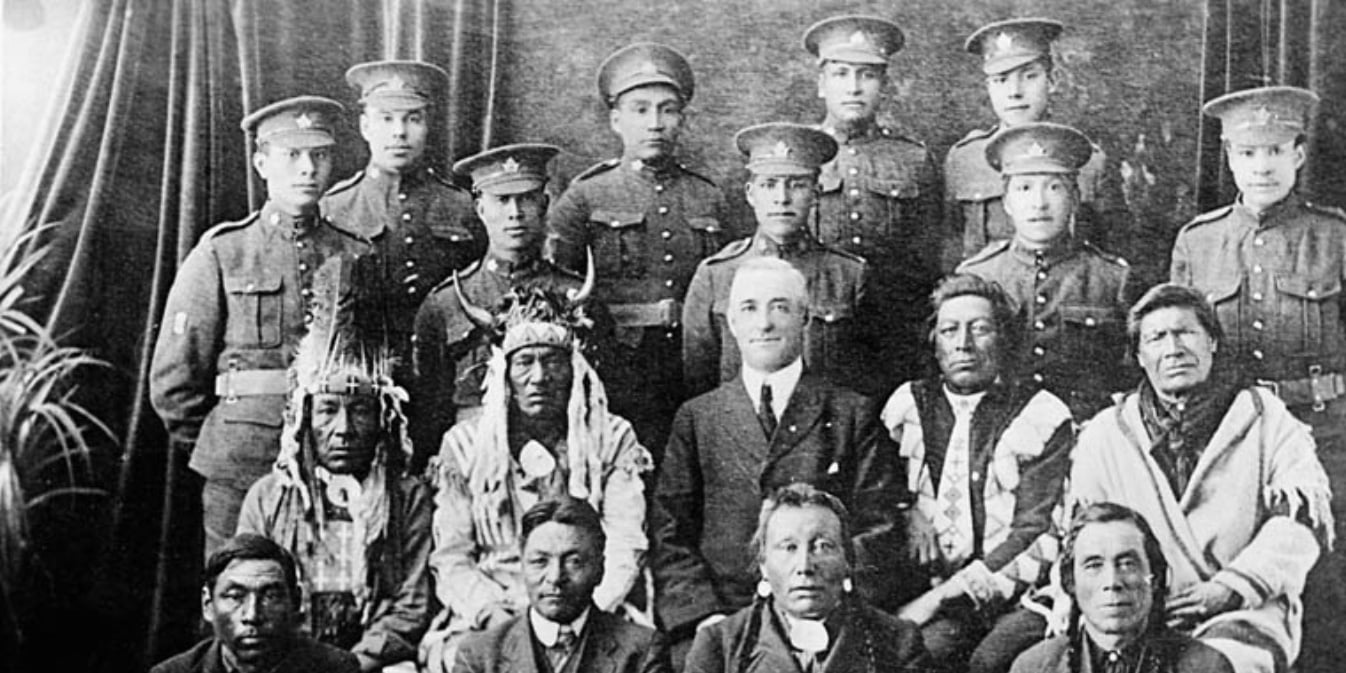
(662, 313)
(1318, 389)
(236, 383)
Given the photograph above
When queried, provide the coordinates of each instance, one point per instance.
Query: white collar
(968, 401)
(782, 381)
(806, 635)
(547, 631)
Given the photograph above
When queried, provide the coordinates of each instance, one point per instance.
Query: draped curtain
(141, 155)
(1250, 43)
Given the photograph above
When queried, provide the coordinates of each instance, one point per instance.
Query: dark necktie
(765, 415)
(558, 654)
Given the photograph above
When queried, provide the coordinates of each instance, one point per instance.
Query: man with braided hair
(544, 431)
(338, 498)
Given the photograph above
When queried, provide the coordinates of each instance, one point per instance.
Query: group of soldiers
(390, 375)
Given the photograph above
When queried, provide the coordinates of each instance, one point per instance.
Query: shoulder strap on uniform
(1115, 259)
(697, 175)
(346, 184)
(892, 133)
(991, 250)
(1330, 211)
(463, 274)
(730, 251)
(600, 167)
(1209, 216)
(231, 226)
(975, 134)
(447, 181)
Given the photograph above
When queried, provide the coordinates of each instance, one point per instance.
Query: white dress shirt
(782, 382)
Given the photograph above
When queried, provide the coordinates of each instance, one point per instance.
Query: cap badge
(1262, 116)
(396, 83)
(647, 68)
(858, 39)
(780, 149)
(510, 166)
(1036, 150)
(303, 121)
(1004, 42)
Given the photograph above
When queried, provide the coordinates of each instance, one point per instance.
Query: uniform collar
(286, 222)
(652, 171)
(865, 131)
(503, 267)
(1275, 214)
(547, 631)
(1062, 249)
(763, 245)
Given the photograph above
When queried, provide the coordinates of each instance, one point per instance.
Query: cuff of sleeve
(1241, 585)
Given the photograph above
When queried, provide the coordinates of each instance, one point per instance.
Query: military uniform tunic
(240, 304)
(1071, 301)
(880, 200)
(975, 192)
(837, 340)
(423, 228)
(648, 230)
(452, 352)
(1275, 280)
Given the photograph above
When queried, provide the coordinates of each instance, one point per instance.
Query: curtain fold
(143, 154)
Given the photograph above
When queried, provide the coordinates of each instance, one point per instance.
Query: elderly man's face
(252, 613)
(540, 378)
(396, 138)
(766, 317)
(967, 343)
(561, 566)
(1176, 352)
(851, 90)
(648, 119)
(1040, 206)
(345, 432)
(782, 204)
(804, 561)
(1113, 582)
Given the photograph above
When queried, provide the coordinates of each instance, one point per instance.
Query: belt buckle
(1321, 387)
(230, 394)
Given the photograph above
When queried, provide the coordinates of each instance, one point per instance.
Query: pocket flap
(1308, 287)
(1220, 289)
(257, 284)
(829, 181)
(902, 188)
(831, 312)
(709, 224)
(1089, 316)
(617, 219)
(265, 410)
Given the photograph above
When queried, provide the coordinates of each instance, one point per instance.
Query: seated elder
(1227, 476)
(806, 616)
(544, 431)
(338, 499)
(985, 464)
(1116, 574)
(250, 599)
(563, 631)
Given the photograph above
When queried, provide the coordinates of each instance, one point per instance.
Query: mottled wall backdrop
(1129, 75)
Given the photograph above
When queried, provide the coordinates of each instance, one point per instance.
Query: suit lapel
(771, 653)
(517, 650)
(740, 421)
(847, 654)
(597, 645)
(802, 412)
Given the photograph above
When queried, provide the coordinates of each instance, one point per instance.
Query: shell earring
(847, 585)
(764, 589)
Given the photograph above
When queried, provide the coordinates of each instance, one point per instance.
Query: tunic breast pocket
(894, 198)
(707, 234)
(255, 304)
(831, 345)
(1308, 308)
(1092, 335)
(619, 249)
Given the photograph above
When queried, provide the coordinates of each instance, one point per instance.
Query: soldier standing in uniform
(421, 224)
(451, 351)
(1272, 264)
(1070, 296)
(240, 304)
(649, 221)
(1017, 59)
(783, 160)
(880, 195)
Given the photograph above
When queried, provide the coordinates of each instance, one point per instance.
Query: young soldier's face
(851, 90)
(1265, 174)
(1113, 583)
(296, 177)
(782, 203)
(1040, 206)
(514, 222)
(1020, 96)
(648, 119)
(396, 137)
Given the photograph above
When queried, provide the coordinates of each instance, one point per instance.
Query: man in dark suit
(250, 597)
(772, 425)
(563, 632)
